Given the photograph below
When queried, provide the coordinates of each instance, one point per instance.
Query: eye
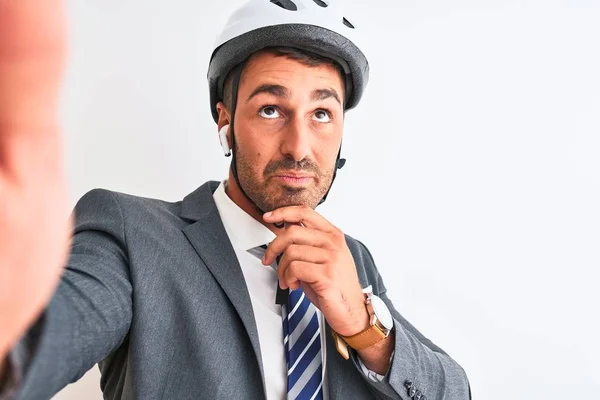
(322, 116)
(269, 112)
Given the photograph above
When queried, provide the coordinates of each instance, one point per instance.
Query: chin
(291, 196)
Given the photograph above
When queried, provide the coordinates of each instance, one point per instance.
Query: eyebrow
(275, 90)
(322, 94)
(283, 92)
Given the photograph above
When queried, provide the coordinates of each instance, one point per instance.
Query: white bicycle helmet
(317, 26)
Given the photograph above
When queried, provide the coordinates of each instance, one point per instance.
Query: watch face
(382, 312)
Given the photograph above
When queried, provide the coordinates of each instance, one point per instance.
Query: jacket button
(418, 395)
(412, 391)
(408, 383)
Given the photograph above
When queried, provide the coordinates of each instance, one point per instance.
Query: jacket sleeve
(419, 369)
(90, 312)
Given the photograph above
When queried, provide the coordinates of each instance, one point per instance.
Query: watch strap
(367, 338)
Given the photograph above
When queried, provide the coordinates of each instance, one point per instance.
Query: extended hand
(34, 228)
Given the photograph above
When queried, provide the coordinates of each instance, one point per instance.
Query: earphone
(223, 140)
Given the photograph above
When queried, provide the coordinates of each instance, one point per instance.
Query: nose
(296, 140)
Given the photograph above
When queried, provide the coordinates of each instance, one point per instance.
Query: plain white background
(473, 168)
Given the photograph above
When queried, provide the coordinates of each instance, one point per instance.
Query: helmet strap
(339, 164)
(237, 75)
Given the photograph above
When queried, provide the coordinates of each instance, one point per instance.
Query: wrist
(3, 369)
(3, 359)
(361, 323)
(375, 330)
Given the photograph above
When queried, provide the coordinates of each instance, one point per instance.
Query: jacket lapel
(209, 238)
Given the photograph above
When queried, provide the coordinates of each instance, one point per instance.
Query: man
(240, 290)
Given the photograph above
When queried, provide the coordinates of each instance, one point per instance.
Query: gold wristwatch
(380, 326)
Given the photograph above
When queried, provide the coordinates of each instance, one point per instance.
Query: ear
(223, 129)
(224, 116)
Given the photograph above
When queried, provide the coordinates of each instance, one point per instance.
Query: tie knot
(259, 252)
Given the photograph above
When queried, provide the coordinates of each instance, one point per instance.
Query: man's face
(288, 130)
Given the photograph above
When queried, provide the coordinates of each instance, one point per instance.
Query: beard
(269, 195)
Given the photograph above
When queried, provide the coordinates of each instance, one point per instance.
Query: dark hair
(304, 57)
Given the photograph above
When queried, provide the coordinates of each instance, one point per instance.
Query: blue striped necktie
(302, 342)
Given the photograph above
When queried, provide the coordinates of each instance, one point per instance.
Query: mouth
(293, 179)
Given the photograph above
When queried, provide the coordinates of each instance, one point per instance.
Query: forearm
(417, 364)
(377, 357)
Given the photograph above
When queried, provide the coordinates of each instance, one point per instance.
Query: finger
(32, 50)
(295, 252)
(295, 234)
(299, 215)
(303, 272)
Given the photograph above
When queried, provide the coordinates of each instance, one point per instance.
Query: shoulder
(360, 252)
(365, 265)
(107, 205)
(105, 199)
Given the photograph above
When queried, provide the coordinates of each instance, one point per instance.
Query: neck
(235, 194)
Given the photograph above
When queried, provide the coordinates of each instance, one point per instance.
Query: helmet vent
(286, 4)
(321, 3)
(348, 24)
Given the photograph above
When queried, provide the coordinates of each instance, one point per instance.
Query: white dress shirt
(246, 233)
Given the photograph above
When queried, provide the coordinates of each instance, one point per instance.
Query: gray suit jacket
(153, 292)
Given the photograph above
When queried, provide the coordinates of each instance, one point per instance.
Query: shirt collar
(244, 231)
